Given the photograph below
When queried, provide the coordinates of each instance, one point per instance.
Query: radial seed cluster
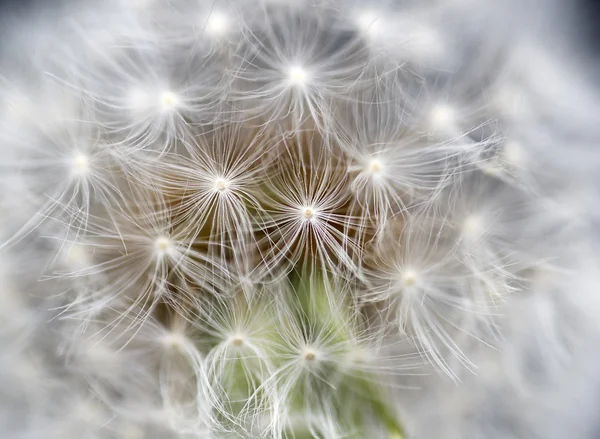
(255, 219)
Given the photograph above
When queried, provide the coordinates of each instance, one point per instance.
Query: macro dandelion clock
(290, 219)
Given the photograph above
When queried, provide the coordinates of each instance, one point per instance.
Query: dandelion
(283, 219)
(292, 65)
(137, 258)
(147, 104)
(217, 24)
(422, 285)
(240, 357)
(304, 208)
(65, 171)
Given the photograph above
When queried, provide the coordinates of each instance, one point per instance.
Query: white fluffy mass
(298, 219)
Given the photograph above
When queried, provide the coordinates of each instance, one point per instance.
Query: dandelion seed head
(81, 164)
(218, 24)
(473, 227)
(280, 196)
(77, 256)
(169, 100)
(237, 340)
(375, 168)
(310, 355)
(297, 76)
(309, 213)
(442, 117)
(409, 278)
(222, 184)
(163, 245)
